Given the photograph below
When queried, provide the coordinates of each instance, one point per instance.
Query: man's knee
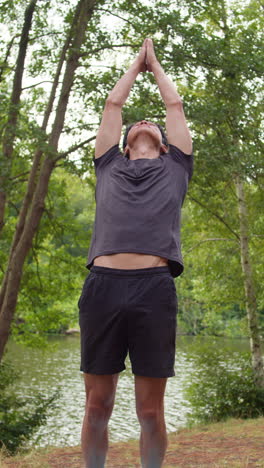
(151, 419)
(98, 415)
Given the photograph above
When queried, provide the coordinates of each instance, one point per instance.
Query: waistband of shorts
(162, 270)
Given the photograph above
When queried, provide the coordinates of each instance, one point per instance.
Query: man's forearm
(167, 89)
(120, 92)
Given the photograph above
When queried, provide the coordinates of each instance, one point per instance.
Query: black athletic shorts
(128, 311)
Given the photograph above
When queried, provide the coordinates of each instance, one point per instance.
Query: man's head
(154, 131)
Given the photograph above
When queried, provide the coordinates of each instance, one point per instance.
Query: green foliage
(211, 292)
(223, 386)
(19, 417)
(55, 268)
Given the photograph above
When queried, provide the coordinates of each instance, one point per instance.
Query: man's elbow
(175, 102)
(112, 102)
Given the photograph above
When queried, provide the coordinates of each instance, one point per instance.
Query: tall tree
(31, 216)
(9, 132)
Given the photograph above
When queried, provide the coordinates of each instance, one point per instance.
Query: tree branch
(19, 175)
(195, 60)
(113, 46)
(74, 148)
(116, 15)
(51, 33)
(37, 84)
(213, 239)
(9, 47)
(35, 256)
(217, 216)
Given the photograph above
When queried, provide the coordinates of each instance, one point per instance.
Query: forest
(58, 62)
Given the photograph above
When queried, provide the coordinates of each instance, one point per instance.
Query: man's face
(147, 128)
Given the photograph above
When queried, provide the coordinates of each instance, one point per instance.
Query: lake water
(56, 367)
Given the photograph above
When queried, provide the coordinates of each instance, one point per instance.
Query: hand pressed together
(151, 58)
(141, 58)
(146, 57)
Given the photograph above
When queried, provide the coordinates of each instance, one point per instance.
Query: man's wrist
(135, 67)
(156, 66)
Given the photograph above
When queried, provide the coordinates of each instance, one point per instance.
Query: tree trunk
(35, 168)
(10, 129)
(32, 180)
(20, 251)
(251, 302)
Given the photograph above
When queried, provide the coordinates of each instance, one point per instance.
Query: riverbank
(231, 444)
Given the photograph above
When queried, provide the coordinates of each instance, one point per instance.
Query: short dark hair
(163, 134)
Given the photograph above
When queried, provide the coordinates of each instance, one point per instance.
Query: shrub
(223, 386)
(19, 417)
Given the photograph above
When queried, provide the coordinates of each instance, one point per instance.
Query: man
(128, 302)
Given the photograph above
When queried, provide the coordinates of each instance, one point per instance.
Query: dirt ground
(233, 444)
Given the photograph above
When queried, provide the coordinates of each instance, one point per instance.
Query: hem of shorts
(103, 371)
(158, 374)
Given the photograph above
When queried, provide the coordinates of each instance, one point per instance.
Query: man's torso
(138, 205)
(130, 260)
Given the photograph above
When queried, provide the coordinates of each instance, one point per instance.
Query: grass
(230, 444)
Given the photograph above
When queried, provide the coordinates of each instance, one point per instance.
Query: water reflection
(58, 366)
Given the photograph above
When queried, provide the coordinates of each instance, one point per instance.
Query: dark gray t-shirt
(138, 205)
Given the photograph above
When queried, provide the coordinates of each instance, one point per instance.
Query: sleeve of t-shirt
(106, 158)
(186, 160)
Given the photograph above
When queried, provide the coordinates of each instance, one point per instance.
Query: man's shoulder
(107, 157)
(185, 160)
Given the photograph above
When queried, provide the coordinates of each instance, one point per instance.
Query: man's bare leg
(100, 397)
(150, 410)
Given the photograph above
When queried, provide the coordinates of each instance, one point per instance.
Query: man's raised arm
(176, 126)
(109, 132)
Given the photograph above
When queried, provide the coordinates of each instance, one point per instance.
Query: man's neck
(144, 148)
